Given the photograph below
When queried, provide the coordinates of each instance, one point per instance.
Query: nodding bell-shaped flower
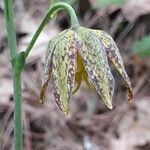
(79, 54)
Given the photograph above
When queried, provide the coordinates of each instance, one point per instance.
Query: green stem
(73, 17)
(16, 74)
(10, 27)
(17, 112)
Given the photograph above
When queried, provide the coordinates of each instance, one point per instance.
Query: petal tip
(41, 101)
(65, 111)
(64, 107)
(110, 106)
(130, 95)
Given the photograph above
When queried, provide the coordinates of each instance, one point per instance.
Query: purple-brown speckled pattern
(63, 70)
(80, 54)
(114, 55)
(96, 65)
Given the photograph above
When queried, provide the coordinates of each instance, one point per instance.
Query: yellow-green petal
(63, 70)
(80, 74)
(115, 56)
(48, 64)
(96, 65)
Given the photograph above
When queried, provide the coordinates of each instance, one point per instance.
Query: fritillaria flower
(79, 54)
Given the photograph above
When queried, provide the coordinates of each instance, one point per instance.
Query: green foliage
(105, 3)
(142, 47)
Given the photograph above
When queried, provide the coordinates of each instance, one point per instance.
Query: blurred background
(89, 125)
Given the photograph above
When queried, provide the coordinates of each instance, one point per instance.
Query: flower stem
(57, 6)
(10, 27)
(17, 112)
(16, 74)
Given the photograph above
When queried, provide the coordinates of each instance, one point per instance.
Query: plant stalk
(16, 75)
(17, 112)
(10, 27)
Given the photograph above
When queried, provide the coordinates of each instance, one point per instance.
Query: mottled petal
(48, 64)
(96, 65)
(114, 55)
(63, 70)
(51, 44)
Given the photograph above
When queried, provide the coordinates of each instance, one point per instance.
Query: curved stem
(73, 17)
